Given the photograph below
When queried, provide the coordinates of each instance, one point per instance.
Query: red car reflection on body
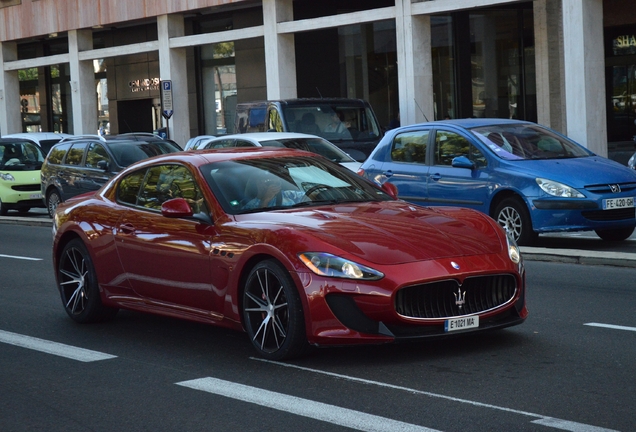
(286, 245)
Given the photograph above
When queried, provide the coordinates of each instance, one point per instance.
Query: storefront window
(443, 67)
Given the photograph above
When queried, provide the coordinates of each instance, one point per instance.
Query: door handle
(435, 176)
(387, 173)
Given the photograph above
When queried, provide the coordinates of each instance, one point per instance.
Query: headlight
(7, 177)
(513, 250)
(558, 189)
(632, 162)
(325, 264)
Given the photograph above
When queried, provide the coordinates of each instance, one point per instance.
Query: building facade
(89, 66)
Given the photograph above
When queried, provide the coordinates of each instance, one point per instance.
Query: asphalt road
(565, 368)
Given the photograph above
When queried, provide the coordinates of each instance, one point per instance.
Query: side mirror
(102, 165)
(176, 208)
(390, 189)
(463, 162)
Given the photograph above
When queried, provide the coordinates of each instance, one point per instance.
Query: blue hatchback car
(527, 177)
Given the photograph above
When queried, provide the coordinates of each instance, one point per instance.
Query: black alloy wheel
(78, 285)
(272, 312)
(52, 201)
(512, 214)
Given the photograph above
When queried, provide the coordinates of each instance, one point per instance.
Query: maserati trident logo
(615, 188)
(460, 297)
(455, 265)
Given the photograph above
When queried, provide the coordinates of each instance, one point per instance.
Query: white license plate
(35, 196)
(616, 203)
(461, 323)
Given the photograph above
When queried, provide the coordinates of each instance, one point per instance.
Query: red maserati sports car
(287, 246)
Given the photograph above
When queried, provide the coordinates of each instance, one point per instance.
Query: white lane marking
(54, 348)
(568, 425)
(553, 422)
(20, 257)
(303, 407)
(611, 326)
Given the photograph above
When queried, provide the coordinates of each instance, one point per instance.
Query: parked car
(45, 140)
(83, 164)
(350, 124)
(527, 177)
(336, 260)
(195, 142)
(306, 142)
(20, 164)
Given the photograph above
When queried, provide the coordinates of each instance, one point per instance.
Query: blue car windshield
(523, 141)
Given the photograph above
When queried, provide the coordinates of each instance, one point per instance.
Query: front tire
(53, 199)
(3, 209)
(77, 282)
(272, 312)
(513, 216)
(619, 234)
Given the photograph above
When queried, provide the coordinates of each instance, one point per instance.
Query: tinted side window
(220, 144)
(75, 154)
(166, 182)
(128, 187)
(57, 154)
(410, 147)
(96, 153)
(449, 145)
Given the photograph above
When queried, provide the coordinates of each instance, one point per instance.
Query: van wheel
(52, 201)
(513, 216)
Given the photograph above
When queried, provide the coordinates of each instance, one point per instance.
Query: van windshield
(336, 123)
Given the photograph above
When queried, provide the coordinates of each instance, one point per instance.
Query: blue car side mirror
(463, 162)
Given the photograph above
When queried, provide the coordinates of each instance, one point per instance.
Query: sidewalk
(551, 254)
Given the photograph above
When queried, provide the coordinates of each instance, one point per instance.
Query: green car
(20, 164)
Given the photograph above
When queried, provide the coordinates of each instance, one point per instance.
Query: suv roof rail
(138, 134)
(79, 137)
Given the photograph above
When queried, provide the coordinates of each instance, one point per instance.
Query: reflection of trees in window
(129, 187)
(95, 154)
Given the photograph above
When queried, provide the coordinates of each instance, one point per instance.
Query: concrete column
(172, 66)
(280, 55)
(548, 42)
(10, 119)
(584, 65)
(415, 70)
(83, 90)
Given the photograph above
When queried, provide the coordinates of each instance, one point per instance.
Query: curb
(29, 221)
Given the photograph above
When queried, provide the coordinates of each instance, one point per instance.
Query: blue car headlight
(325, 264)
(557, 189)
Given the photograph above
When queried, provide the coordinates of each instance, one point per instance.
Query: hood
(577, 172)
(392, 232)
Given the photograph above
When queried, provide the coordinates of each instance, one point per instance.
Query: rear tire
(272, 312)
(77, 282)
(513, 216)
(619, 234)
(53, 199)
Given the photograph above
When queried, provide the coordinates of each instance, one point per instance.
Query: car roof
(471, 122)
(266, 136)
(203, 157)
(38, 136)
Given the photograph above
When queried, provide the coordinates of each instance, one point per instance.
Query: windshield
(255, 185)
(127, 153)
(20, 156)
(335, 123)
(524, 141)
(314, 145)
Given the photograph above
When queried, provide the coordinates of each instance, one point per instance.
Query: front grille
(439, 299)
(27, 188)
(602, 189)
(609, 215)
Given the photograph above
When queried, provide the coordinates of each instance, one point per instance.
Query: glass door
(621, 126)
